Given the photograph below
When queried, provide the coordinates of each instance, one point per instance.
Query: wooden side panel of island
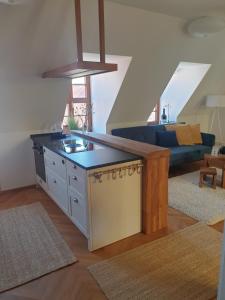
(155, 177)
(155, 194)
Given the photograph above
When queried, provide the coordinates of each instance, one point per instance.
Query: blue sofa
(179, 154)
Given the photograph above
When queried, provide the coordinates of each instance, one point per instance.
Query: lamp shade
(215, 101)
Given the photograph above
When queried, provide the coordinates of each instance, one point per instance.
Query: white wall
(157, 44)
(204, 117)
(16, 160)
(26, 106)
(30, 44)
(41, 35)
(181, 87)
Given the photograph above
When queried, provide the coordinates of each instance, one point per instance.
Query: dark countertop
(43, 138)
(99, 155)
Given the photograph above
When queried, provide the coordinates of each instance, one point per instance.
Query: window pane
(80, 80)
(80, 113)
(79, 91)
(152, 117)
(66, 116)
(67, 111)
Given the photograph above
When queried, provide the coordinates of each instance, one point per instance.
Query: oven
(39, 160)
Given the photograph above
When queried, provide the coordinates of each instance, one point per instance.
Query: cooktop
(76, 144)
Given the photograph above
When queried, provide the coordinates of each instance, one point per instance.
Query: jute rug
(183, 265)
(204, 204)
(30, 246)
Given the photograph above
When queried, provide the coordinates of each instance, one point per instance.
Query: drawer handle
(74, 166)
(75, 178)
(63, 162)
(53, 163)
(76, 200)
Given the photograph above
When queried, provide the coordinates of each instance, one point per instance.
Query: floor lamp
(216, 102)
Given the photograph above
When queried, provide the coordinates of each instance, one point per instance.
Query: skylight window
(180, 89)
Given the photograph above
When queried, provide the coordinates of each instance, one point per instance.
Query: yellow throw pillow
(196, 133)
(183, 133)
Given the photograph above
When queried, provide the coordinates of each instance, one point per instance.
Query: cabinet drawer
(77, 178)
(58, 190)
(55, 162)
(78, 210)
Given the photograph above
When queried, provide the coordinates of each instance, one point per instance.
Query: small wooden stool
(208, 172)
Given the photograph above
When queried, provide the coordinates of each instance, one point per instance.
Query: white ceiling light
(205, 26)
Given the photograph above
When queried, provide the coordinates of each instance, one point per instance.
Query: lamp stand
(216, 114)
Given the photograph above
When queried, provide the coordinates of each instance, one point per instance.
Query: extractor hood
(12, 2)
(82, 68)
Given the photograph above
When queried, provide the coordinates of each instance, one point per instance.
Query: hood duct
(82, 68)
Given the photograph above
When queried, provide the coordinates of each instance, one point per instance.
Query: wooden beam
(101, 30)
(78, 30)
(154, 179)
(89, 103)
(70, 103)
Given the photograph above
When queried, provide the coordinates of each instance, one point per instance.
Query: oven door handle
(38, 151)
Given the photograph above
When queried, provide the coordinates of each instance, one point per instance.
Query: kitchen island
(154, 177)
(98, 187)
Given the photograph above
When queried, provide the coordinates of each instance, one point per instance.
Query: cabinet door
(114, 207)
(77, 178)
(58, 190)
(56, 163)
(78, 210)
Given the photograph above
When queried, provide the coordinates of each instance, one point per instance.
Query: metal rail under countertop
(119, 171)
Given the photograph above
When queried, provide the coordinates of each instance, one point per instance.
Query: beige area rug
(204, 204)
(30, 246)
(183, 265)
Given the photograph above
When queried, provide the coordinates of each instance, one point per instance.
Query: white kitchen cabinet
(55, 162)
(114, 205)
(104, 203)
(58, 189)
(56, 176)
(77, 178)
(78, 210)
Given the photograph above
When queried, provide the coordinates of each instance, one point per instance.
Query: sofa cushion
(183, 132)
(196, 133)
(133, 133)
(166, 138)
(208, 139)
(202, 149)
(184, 154)
(146, 134)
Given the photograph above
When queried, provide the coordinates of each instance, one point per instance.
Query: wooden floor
(75, 282)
